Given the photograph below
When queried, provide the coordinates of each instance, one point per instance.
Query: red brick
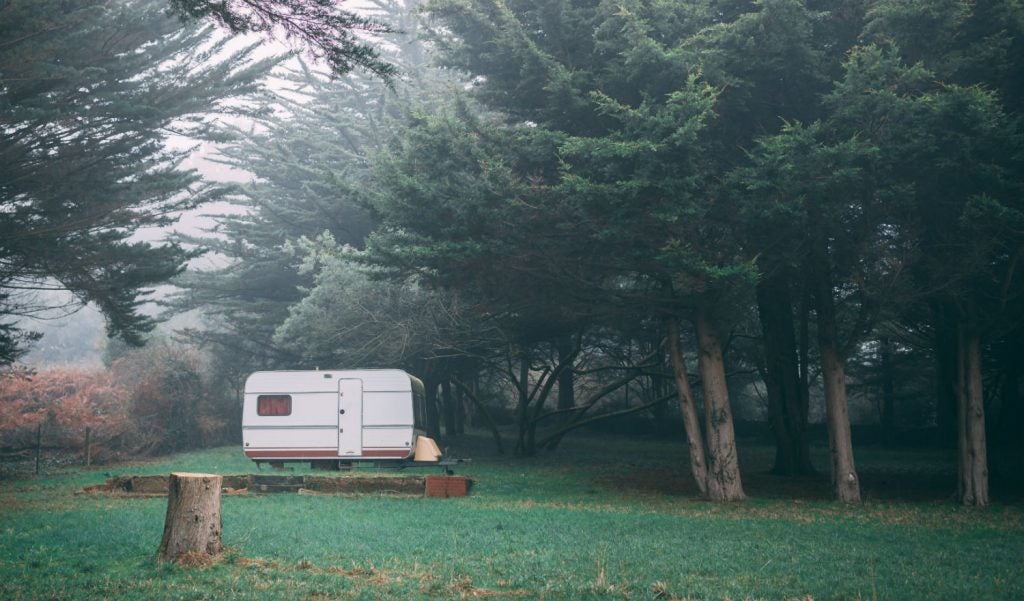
(447, 486)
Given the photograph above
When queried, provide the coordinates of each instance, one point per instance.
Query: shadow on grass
(886, 474)
(877, 484)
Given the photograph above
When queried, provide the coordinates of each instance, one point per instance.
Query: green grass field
(596, 520)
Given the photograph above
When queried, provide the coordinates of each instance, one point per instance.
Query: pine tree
(89, 92)
(905, 193)
(589, 200)
(308, 155)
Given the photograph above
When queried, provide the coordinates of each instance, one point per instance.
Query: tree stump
(192, 528)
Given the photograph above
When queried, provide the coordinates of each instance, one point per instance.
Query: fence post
(39, 445)
(88, 446)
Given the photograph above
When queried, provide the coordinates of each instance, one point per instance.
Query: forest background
(793, 219)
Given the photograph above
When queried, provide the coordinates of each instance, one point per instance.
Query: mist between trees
(654, 217)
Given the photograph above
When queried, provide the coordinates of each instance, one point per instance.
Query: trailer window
(274, 404)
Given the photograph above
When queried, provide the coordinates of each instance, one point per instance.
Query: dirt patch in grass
(453, 587)
(427, 579)
(198, 560)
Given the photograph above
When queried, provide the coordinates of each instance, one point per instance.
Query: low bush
(65, 402)
(153, 400)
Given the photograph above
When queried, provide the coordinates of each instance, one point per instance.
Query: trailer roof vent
(327, 375)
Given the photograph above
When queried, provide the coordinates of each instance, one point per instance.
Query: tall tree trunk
(805, 357)
(460, 411)
(782, 377)
(566, 379)
(658, 389)
(433, 415)
(471, 392)
(688, 407)
(846, 484)
(971, 448)
(541, 394)
(724, 483)
(448, 408)
(522, 410)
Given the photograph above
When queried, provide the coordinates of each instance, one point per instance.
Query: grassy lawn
(595, 520)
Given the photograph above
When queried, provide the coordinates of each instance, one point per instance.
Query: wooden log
(192, 528)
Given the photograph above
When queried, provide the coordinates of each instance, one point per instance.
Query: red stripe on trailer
(331, 454)
(396, 453)
(257, 454)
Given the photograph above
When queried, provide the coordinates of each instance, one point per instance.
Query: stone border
(156, 486)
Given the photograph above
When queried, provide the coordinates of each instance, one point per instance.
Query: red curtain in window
(274, 404)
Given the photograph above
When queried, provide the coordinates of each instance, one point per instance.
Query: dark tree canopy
(857, 156)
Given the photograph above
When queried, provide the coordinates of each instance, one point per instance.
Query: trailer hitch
(445, 464)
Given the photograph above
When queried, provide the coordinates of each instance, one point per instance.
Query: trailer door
(350, 418)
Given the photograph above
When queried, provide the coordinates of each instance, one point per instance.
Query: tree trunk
(192, 527)
(566, 379)
(805, 357)
(88, 447)
(845, 482)
(840, 442)
(971, 449)
(472, 390)
(433, 414)
(724, 483)
(579, 411)
(659, 388)
(522, 410)
(472, 394)
(544, 387)
(39, 446)
(460, 411)
(698, 464)
(786, 411)
(448, 408)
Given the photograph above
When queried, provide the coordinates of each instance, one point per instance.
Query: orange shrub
(155, 399)
(65, 401)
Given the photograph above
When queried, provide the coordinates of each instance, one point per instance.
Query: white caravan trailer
(334, 417)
